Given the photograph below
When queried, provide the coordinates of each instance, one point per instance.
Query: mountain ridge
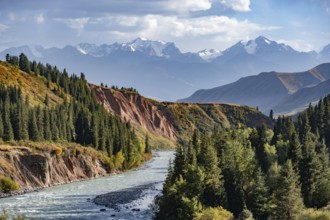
(268, 89)
(154, 66)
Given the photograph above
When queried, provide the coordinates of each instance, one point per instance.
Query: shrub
(214, 213)
(58, 150)
(8, 185)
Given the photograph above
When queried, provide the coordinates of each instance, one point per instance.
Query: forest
(253, 173)
(80, 118)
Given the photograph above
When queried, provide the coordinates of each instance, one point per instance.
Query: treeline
(80, 118)
(281, 173)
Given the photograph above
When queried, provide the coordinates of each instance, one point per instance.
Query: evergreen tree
(287, 201)
(33, 127)
(8, 133)
(24, 63)
(271, 114)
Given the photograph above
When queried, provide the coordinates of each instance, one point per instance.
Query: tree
(24, 63)
(147, 148)
(287, 201)
(8, 133)
(271, 114)
(258, 198)
(33, 127)
(214, 192)
(214, 213)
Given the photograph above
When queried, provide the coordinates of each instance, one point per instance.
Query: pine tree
(258, 199)
(214, 192)
(287, 201)
(24, 63)
(8, 133)
(33, 127)
(46, 122)
(271, 114)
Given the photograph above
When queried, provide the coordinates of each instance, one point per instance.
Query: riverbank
(38, 165)
(74, 200)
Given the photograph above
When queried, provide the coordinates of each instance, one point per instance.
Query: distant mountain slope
(301, 99)
(155, 66)
(268, 90)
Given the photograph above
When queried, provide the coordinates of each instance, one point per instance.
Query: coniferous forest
(80, 118)
(260, 173)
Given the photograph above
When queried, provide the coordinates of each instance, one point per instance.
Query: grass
(31, 85)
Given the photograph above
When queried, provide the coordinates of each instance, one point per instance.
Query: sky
(192, 24)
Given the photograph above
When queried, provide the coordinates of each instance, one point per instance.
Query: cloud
(299, 45)
(237, 5)
(75, 23)
(213, 31)
(189, 5)
(39, 18)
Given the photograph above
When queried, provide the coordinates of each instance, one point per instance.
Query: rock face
(39, 170)
(136, 109)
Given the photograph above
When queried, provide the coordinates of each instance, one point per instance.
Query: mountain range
(160, 70)
(284, 93)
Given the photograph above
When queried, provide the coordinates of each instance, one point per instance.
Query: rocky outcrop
(136, 109)
(39, 170)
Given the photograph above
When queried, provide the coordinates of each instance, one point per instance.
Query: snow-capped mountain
(160, 70)
(209, 55)
(142, 45)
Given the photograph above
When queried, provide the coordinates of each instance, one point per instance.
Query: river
(74, 200)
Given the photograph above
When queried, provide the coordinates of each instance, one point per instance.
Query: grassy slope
(186, 117)
(32, 86)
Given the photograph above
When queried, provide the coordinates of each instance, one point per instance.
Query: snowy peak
(209, 55)
(262, 44)
(152, 48)
(143, 45)
(258, 46)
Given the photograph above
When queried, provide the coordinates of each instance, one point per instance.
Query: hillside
(267, 90)
(300, 100)
(31, 85)
(175, 120)
(186, 117)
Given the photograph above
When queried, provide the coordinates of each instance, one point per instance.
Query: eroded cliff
(38, 167)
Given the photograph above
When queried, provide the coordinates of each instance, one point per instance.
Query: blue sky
(192, 24)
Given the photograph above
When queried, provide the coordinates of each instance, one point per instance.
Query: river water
(74, 200)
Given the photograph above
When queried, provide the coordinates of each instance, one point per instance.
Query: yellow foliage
(119, 160)
(217, 213)
(315, 214)
(58, 150)
(8, 185)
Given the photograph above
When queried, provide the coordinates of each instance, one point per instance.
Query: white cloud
(299, 45)
(212, 31)
(75, 23)
(127, 21)
(189, 5)
(39, 18)
(237, 5)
